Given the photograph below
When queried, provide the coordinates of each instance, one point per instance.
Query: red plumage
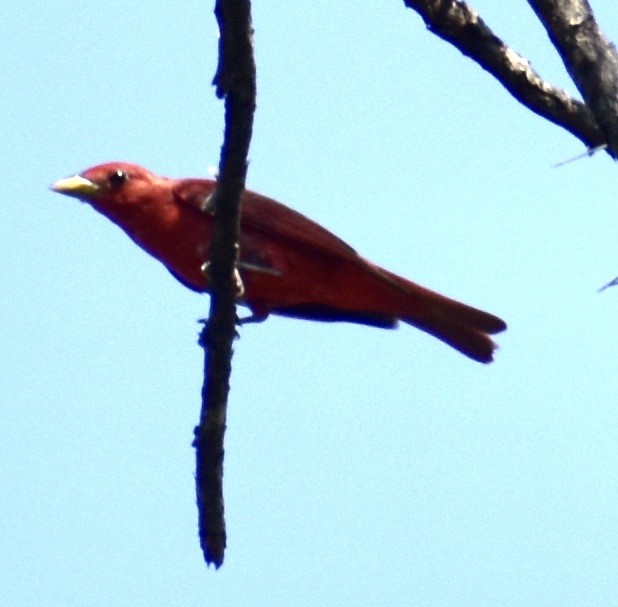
(289, 265)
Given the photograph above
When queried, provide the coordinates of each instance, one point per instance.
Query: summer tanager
(289, 265)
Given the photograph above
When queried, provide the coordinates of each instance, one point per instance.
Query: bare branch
(588, 56)
(461, 26)
(235, 81)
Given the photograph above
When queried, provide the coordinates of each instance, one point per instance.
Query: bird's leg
(253, 267)
(253, 318)
(238, 286)
(247, 267)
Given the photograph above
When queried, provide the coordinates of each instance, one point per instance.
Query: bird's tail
(462, 327)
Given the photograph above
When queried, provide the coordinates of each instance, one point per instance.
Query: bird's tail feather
(459, 325)
(468, 339)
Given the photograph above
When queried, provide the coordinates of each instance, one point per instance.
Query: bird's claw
(238, 285)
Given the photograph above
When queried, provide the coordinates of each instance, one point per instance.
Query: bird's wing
(269, 218)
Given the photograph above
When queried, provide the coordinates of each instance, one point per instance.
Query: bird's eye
(117, 178)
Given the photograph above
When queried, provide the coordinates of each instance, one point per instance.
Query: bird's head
(110, 186)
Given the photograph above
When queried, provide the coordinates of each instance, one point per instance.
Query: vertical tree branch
(590, 59)
(234, 81)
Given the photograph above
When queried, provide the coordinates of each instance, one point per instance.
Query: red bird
(289, 265)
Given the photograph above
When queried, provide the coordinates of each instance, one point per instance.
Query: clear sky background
(363, 467)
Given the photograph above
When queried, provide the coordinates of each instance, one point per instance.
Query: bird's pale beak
(76, 186)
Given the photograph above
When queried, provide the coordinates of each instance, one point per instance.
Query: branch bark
(590, 59)
(460, 25)
(235, 82)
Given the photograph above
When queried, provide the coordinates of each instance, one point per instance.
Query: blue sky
(363, 467)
